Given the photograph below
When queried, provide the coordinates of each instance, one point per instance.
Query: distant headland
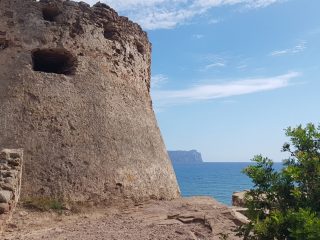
(185, 157)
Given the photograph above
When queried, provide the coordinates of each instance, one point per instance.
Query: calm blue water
(218, 180)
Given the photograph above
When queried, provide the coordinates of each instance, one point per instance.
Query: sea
(216, 179)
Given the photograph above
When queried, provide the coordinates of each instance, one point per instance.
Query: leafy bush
(285, 204)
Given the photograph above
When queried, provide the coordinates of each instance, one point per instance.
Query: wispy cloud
(296, 49)
(214, 21)
(198, 36)
(260, 3)
(214, 65)
(214, 91)
(164, 14)
(91, 2)
(221, 60)
(158, 80)
(213, 61)
(242, 66)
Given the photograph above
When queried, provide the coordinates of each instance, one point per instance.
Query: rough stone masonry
(75, 95)
(10, 183)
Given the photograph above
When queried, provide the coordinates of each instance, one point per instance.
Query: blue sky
(230, 75)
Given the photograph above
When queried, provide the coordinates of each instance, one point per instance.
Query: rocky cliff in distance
(75, 95)
(185, 157)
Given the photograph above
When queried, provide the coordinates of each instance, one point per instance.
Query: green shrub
(285, 204)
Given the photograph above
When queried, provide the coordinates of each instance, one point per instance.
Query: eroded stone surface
(238, 198)
(75, 94)
(180, 219)
(5, 196)
(10, 182)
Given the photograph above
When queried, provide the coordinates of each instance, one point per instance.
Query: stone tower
(75, 95)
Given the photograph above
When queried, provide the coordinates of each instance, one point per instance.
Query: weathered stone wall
(75, 95)
(10, 183)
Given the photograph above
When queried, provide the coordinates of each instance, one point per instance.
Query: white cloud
(198, 36)
(296, 49)
(213, 61)
(242, 66)
(158, 80)
(91, 2)
(214, 21)
(214, 65)
(279, 52)
(165, 14)
(260, 3)
(214, 91)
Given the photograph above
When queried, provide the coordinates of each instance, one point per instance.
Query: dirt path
(188, 218)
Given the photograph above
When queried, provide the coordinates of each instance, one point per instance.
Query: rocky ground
(186, 218)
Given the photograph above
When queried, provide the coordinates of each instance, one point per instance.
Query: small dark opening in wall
(58, 61)
(3, 44)
(109, 33)
(50, 13)
(140, 48)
